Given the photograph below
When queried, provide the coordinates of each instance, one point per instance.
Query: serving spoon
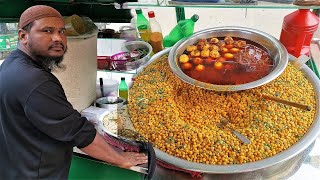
(290, 103)
(224, 122)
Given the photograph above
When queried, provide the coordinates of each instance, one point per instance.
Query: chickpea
(240, 44)
(218, 65)
(206, 47)
(228, 40)
(228, 56)
(214, 54)
(191, 48)
(205, 53)
(195, 53)
(228, 46)
(186, 66)
(200, 47)
(234, 50)
(214, 47)
(197, 60)
(221, 44)
(199, 67)
(184, 58)
(202, 42)
(214, 40)
(224, 50)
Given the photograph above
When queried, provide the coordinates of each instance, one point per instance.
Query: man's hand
(132, 159)
(100, 149)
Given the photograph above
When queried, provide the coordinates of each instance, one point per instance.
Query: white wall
(267, 20)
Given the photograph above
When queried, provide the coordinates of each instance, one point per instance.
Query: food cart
(84, 167)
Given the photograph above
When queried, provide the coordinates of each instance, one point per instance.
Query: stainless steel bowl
(131, 46)
(277, 52)
(110, 102)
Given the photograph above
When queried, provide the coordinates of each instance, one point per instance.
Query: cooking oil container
(78, 79)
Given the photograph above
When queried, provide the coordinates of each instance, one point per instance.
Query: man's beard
(52, 63)
(49, 62)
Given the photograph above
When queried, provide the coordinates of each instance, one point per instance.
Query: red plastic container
(297, 31)
(103, 62)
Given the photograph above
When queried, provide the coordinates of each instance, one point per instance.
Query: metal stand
(180, 15)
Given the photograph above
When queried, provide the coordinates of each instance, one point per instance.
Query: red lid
(302, 18)
(151, 14)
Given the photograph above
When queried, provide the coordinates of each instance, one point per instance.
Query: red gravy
(250, 63)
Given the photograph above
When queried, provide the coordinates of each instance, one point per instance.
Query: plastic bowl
(120, 61)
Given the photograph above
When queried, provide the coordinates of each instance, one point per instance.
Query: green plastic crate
(8, 42)
(87, 169)
(312, 65)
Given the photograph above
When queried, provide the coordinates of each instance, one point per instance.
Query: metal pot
(269, 167)
(277, 52)
(110, 102)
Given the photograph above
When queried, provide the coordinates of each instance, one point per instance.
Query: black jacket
(38, 126)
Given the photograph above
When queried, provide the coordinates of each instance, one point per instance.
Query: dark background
(96, 10)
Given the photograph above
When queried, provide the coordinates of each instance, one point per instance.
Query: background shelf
(258, 5)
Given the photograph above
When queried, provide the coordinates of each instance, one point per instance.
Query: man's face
(46, 40)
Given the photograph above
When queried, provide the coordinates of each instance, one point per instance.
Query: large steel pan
(277, 162)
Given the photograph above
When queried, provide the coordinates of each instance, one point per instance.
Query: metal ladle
(224, 122)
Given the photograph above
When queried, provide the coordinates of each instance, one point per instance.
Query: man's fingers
(136, 158)
(141, 161)
(139, 158)
(134, 154)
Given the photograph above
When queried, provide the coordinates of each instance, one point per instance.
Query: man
(38, 126)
